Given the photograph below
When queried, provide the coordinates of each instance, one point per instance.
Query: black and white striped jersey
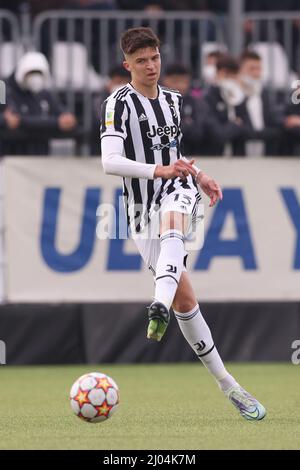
(151, 132)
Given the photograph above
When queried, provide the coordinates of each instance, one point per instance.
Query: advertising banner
(53, 209)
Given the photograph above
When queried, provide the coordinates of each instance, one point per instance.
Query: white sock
(169, 266)
(197, 333)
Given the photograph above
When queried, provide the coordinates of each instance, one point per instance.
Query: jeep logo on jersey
(160, 131)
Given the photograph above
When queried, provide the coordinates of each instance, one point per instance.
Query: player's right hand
(180, 169)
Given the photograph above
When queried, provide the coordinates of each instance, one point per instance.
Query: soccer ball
(94, 397)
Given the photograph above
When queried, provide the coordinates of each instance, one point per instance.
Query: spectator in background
(117, 77)
(32, 109)
(291, 140)
(209, 69)
(178, 77)
(258, 112)
(260, 31)
(224, 127)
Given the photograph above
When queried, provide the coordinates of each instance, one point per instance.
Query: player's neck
(150, 92)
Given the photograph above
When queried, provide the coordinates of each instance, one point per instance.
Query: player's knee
(183, 303)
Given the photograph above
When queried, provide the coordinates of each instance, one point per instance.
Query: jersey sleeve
(114, 115)
(114, 162)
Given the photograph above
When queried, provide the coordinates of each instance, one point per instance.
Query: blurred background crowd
(237, 72)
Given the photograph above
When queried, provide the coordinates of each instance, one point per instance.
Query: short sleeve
(114, 115)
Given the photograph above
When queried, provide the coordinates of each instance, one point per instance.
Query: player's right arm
(113, 134)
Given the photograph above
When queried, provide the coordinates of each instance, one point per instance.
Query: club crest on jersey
(173, 111)
(159, 131)
(109, 118)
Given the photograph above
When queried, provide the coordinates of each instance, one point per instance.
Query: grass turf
(169, 406)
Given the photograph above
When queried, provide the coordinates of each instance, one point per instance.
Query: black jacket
(39, 115)
(272, 131)
(219, 129)
(193, 117)
(291, 138)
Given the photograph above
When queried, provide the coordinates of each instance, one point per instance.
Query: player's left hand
(210, 187)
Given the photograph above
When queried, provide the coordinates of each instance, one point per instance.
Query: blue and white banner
(52, 253)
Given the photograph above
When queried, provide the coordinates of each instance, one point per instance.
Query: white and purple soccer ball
(94, 397)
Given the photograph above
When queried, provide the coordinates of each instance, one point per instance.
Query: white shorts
(185, 201)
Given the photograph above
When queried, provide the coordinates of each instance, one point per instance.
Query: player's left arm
(208, 185)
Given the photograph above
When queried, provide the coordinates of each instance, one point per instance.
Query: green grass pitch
(168, 406)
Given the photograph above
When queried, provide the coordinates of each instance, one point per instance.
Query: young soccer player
(140, 141)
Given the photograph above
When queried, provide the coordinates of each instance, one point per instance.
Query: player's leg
(170, 261)
(197, 333)
(168, 270)
(148, 244)
(176, 212)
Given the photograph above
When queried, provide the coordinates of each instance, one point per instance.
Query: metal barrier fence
(182, 33)
(82, 46)
(276, 38)
(92, 37)
(10, 49)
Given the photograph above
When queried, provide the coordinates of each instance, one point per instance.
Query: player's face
(144, 66)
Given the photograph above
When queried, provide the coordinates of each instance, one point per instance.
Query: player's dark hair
(176, 69)
(249, 55)
(138, 38)
(228, 63)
